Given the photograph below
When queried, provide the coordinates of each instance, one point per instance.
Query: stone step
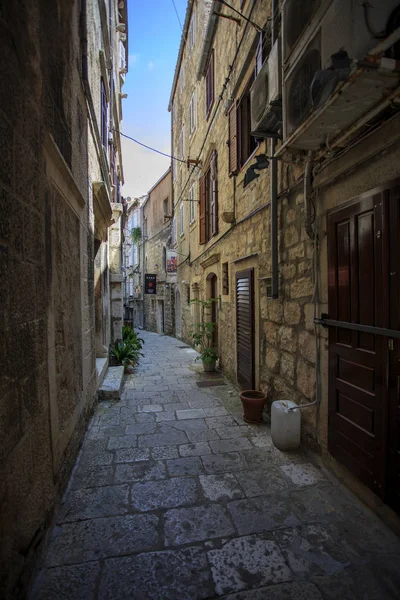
(101, 368)
(112, 384)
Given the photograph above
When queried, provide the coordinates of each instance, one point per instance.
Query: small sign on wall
(172, 261)
(150, 284)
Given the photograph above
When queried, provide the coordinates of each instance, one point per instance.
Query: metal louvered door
(245, 329)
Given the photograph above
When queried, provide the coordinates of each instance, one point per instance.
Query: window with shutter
(210, 84)
(263, 49)
(246, 142)
(192, 112)
(233, 143)
(182, 219)
(192, 204)
(103, 115)
(208, 210)
(181, 143)
(214, 194)
(202, 210)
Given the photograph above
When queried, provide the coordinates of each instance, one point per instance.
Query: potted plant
(126, 352)
(253, 405)
(203, 336)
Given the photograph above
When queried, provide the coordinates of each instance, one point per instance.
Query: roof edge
(209, 38)
(186, 24)
(167, 172)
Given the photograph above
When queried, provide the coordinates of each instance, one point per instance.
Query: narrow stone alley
(174, 497)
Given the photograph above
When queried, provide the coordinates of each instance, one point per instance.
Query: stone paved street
(174, 498)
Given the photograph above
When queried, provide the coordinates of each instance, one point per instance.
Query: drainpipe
(274, 222)
(143, 263)
(274, 183)
(307, 196)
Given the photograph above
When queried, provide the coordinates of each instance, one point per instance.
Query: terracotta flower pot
(253, 405)
(209, 367)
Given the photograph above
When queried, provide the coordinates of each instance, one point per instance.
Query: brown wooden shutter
(214, 194)
(202, 211)
(233, 144)
(212, 77)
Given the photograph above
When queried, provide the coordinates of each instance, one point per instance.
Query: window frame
(193, 113)
(210, 84)
(182, 77)
(165, 206)
(182, 219)
(208, 211)
(192, 205)
(182, 143)
(192, 31)
(243, 116)
(103, 114)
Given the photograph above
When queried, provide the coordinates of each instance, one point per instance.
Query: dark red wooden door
(245, 329)
(393, 483)
(363, 289)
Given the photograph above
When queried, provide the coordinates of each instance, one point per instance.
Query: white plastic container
(285, 425)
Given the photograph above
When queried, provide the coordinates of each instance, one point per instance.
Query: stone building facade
(324, 261)
(157, 239)
(133, 258)
(59, 195)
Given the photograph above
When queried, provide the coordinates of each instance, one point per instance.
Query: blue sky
(154, 38)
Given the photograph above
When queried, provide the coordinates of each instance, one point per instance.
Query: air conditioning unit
(328, 27)
(265, 97)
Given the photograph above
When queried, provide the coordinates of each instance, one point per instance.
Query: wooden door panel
(245, 329)
(393, 487)
(356, 367)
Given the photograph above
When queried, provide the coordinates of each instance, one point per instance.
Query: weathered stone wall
(287, 339)
(47, 317)
(284, 344)
(159, 308)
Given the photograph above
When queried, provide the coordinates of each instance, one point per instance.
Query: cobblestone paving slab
(174, 497)
(196, 524)
(247, 562)
(168, 575)
(90, 503)
(76, 581)
(223, 486)
(164, 494)
(299, 590)
(82, 541)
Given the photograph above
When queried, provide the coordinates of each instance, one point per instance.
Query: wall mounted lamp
(262, 163)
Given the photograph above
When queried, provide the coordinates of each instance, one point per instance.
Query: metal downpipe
(274, 222)
(274, 181)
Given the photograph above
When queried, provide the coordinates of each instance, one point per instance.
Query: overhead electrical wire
(220, 98)
(187, 32)
(177, 14)
(149, 147)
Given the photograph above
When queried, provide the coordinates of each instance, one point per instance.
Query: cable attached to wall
(149, 147)
(220, 98)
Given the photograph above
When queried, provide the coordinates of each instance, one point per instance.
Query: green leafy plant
(127, 351)
(123, 353)
(202, 334)
(136, 235)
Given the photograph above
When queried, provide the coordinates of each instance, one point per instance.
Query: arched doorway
(212, 292)
(178, 314)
